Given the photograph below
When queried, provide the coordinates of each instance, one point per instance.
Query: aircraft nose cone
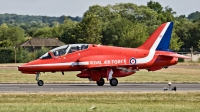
(25, 69)
(22, 68)
(28, 66)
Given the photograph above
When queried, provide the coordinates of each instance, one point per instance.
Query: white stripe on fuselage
(61, 64)
(153, 48)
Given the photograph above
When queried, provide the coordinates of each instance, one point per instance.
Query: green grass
(102, 102)
(173, 74)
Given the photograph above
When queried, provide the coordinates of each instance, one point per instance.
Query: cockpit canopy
(66, 49)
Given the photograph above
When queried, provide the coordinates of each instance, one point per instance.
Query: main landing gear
(39, 82)
(113, 82)
(101, 82)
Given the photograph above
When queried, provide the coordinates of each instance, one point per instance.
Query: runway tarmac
(129, 87)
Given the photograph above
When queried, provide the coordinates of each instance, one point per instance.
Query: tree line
(123, 24)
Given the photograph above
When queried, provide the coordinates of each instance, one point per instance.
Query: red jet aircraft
(96, 62)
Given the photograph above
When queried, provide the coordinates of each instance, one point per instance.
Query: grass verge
(100, 102)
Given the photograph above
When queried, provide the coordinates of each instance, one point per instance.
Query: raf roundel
(132, 61)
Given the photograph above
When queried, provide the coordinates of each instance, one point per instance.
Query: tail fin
(160, 39)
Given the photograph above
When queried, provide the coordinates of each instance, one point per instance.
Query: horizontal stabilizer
(176, 56)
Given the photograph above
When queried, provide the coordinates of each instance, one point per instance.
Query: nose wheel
(39, 82)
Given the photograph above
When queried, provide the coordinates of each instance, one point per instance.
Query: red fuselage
(99, 57)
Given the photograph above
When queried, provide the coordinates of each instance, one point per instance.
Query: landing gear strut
(101, 82)
(40, 82)
(113, 82)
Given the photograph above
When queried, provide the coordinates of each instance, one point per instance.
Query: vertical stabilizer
(160, 39)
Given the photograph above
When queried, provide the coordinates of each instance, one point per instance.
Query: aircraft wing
(176, 56)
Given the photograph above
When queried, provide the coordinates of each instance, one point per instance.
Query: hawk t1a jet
(97, 62)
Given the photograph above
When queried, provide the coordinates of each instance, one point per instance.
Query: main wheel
(113, 82)
(101, 82)
(40, 83)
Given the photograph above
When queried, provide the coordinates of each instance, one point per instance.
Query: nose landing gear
(39, 82)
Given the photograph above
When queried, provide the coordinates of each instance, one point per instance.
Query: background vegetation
(123, 24)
